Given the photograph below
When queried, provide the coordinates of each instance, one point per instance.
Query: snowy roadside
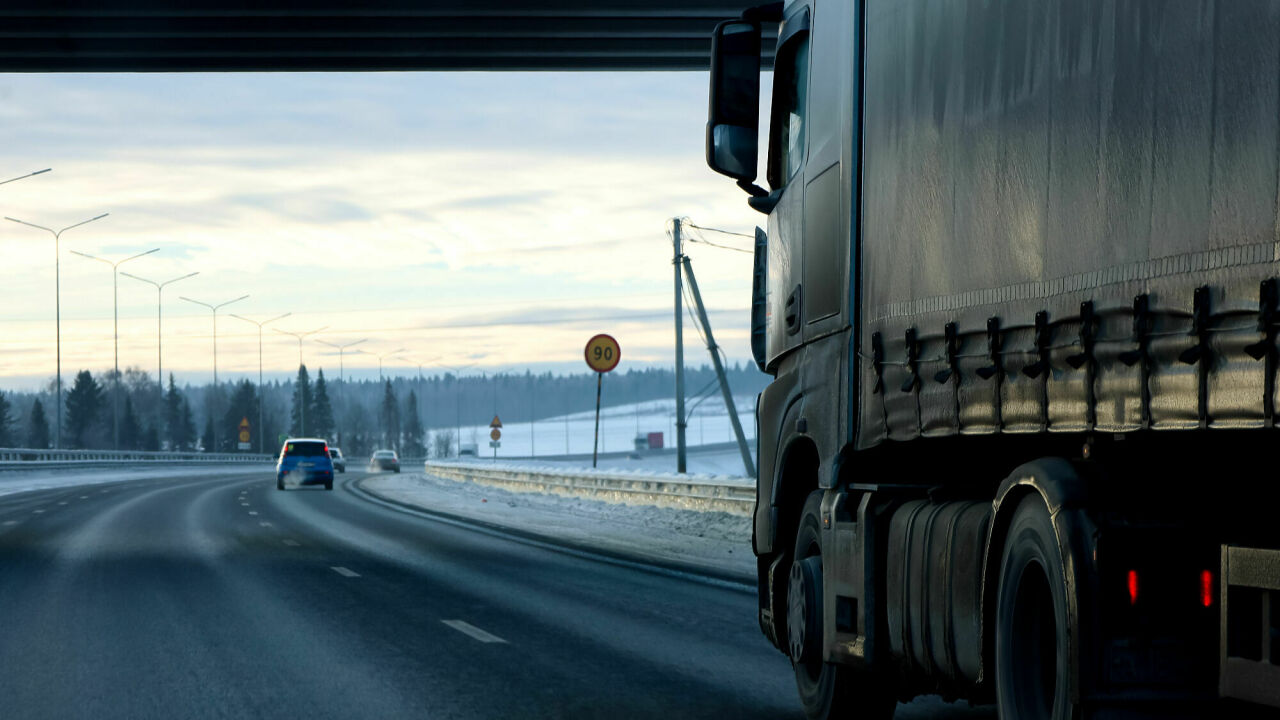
(27, 480)
(715, 542)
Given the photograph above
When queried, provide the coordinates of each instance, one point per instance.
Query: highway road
(222, 597)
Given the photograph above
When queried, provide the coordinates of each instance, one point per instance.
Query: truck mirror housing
(733, 123)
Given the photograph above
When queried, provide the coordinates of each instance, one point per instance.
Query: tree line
(413, 415)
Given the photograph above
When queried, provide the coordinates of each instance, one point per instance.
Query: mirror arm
(765, 203)
(752, 189)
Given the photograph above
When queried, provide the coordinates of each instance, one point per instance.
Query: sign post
(602, 355)
(495, 435)
(244, 434)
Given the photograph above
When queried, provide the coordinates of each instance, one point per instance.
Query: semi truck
(1018, 298)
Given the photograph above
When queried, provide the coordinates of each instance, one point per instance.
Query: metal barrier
(704, 492)
(31, 457)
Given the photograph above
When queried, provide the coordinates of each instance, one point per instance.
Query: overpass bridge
(347, 35)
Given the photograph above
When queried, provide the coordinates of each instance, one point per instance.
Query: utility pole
(680, 420)
(724, 381)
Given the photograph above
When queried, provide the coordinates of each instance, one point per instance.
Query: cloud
(423, 209)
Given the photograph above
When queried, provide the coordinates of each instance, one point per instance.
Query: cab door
(787, 147)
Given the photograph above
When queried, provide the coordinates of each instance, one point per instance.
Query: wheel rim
(803, 608)
(1034, 644)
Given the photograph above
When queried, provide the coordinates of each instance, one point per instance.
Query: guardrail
(31, 457)
(696, 492)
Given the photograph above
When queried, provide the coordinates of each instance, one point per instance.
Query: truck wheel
(1032, 663)
(826, 690)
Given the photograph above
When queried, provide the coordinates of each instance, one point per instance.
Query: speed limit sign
(603, 353)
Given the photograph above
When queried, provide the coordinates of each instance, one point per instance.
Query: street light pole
(302, 409)
(342, 381)
(300, 336)
(214, 310)
(159, 286)
(261, 436)
(57, 300)
(457, 403)
(24, 177)
(115, 333)
(380, 357)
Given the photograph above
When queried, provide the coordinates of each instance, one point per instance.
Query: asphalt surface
(222, 597)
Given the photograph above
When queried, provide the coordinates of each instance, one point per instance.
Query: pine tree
(320, 414)
(186, 437)
(6, 422)
(38, 431)
(151, 439)
(84, 412)
(414, 435)
(207, 440)
(243, 406)
(173, 417)
(390, 417)
(299, 422)
(130, 429)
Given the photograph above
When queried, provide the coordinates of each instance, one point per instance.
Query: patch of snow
(709, 540)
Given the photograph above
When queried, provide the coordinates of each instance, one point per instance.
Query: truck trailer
(1018, 298)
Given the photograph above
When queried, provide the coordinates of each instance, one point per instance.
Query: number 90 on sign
(603, 353)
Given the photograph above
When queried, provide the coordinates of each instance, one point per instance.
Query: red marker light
(1133, 587)
(1206, 588)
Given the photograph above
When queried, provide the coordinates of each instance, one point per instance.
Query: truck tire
(826, 690)
(1032, 662)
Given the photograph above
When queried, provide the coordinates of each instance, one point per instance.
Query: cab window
(787, 118)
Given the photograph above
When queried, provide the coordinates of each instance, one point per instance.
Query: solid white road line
(476, 633)
(344, 572)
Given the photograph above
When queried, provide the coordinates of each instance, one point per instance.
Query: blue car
(305, 461)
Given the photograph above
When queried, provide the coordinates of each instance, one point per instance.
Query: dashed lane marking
(10, 522)
(264, 523)
(291, 543)
(84, 497)
(344, 572)
(253, 512)
(64, 502)
(37, 511)
(474, 632)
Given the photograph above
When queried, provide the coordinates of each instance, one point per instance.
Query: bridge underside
(341, 35)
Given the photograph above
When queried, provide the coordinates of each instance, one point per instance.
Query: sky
(496, 220)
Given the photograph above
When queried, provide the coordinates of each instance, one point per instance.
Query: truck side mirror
(733, 123)
(760, 300)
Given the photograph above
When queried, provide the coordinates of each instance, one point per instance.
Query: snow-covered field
(708, 423)
(713, 541)
(25, 480)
